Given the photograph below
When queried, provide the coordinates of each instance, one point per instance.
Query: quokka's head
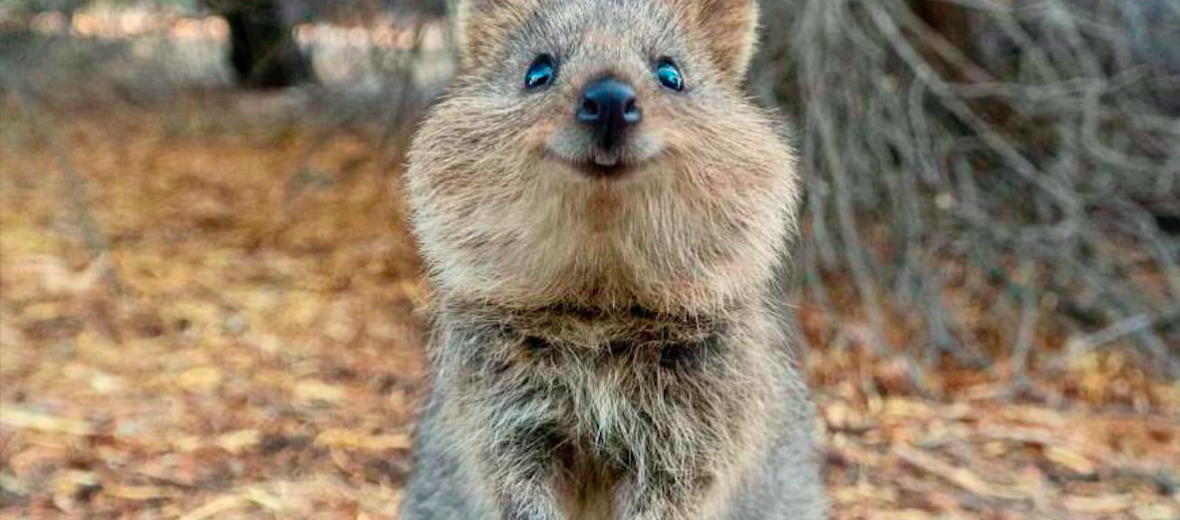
(602, 151)
(603, 81)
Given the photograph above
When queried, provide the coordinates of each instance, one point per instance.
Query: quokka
(603, 212)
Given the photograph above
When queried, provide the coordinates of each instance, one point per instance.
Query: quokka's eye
(669, 75)
(541, 72)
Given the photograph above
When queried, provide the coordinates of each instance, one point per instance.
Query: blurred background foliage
(997, 177)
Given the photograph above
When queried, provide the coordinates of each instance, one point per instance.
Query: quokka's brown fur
(607, 346)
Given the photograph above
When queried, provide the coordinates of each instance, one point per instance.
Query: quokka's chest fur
(605, 393)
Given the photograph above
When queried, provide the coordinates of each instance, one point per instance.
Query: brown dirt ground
(201, 319)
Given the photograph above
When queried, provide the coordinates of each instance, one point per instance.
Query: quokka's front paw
(662, 511)
(529, 504)
(663, 500)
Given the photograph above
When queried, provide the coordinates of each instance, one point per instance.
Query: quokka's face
(599, 89)
(602, 151)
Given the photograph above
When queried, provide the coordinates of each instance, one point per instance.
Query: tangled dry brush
(1025, 153)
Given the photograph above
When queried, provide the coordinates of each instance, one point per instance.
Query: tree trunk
(263, 51)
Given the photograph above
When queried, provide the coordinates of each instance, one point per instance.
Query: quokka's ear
(730, 30)
(483, 25)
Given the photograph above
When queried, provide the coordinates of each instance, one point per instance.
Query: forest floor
(207, 311)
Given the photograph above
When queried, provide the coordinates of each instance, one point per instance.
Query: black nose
(609, 108)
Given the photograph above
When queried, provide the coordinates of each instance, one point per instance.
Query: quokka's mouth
(613, 170)
(602, 167)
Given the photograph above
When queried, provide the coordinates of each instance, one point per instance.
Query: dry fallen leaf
(340, 438)
(1099, 504)
(961, 477)
(16, 417)
(239, 441)
(311, 391)
(73, 486)
(218, 507)
(1072, 460)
